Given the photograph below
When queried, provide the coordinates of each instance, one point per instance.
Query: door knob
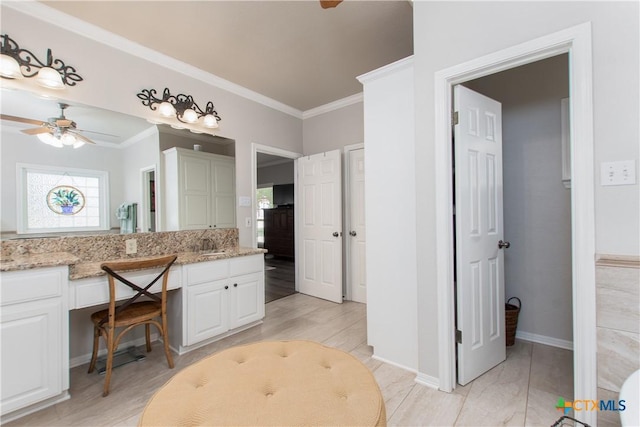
(504, 245)
(353, 233)
(335, 234)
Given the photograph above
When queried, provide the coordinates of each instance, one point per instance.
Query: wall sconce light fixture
(17, 63)
(183, 108)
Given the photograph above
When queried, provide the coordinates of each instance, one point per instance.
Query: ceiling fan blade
(326, 4)
(21, 120)
(81, 137)
(36, 131)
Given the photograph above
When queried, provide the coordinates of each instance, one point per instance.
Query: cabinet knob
(235, 285)
(335, 234)
(226, 287)
(353, 233)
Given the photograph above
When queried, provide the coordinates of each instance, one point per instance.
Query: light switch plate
(618, 173)
(247, 222)
(244, 201)
(131, 246)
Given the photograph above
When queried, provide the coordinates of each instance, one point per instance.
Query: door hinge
(455, 118)
(458, 336)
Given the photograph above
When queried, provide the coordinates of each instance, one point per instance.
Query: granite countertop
(83, 269)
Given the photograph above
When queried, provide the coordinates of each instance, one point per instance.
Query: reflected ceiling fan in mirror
(56, 131)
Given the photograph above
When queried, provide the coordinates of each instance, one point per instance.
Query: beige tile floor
(521, 391)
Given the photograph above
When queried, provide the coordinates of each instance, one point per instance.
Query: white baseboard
(397, 365)
(86, 358)
(427, 381)
(542, 339)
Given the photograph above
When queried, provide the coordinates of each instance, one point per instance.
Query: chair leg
(165, 338)
(147, 334)
(107, 379)
(94, 355)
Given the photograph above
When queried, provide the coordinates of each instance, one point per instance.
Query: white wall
(537, 206)
(333, 130)
(112, 79)
(390, 214)
(449, 33)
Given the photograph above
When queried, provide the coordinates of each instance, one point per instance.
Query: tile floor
(521, 391)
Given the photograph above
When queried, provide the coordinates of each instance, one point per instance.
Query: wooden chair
(130, 314)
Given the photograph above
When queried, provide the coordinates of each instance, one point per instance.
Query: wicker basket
(511, 313)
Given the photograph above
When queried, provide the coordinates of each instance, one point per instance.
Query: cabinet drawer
(21, 286)
(203, 272)
(246, 265)
(94, 291)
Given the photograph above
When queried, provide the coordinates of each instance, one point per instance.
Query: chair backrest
(114, 268)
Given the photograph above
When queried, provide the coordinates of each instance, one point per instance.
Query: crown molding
(332, 106)
(55, 17)
(385, 70)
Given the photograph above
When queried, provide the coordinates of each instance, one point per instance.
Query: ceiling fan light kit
(18, 63)
(183, 108)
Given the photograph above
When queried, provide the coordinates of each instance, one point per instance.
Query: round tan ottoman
(283, 383)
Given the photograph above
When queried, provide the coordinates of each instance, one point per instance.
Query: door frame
(145, 199)
(576, 41)
(346, 220)
(259, 148)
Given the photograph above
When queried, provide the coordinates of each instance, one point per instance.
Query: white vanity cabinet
(218, 297)
(34, 324)
(199, 190)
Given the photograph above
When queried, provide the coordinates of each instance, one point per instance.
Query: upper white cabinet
(199, 190)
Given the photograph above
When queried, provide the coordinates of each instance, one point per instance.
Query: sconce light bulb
(9, 67)
(166, 109)
(49, 78)
(190, 116)
(210, 121)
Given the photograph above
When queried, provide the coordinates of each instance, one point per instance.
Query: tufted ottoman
(282, 383)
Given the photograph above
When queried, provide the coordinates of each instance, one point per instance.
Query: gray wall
(276, 174)
(333, 130)
(450, 33)
(537, 206)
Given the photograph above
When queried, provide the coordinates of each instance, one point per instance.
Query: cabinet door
(32, 353)
(195, 197)
(207, 311)
(223, 204)
(246, 303)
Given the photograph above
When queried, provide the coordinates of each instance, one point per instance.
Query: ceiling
(294, 52)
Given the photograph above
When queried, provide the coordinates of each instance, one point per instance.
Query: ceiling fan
(326, 4)
(56, 131)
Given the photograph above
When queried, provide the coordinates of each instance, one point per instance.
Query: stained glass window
(62, 199)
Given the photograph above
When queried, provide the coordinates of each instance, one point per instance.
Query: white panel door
(196, 197)
(320, 265)
(357, 241)
(208, 313)
(479, 257)
(246, 303)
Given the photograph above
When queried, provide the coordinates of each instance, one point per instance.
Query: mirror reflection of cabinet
(200, 190)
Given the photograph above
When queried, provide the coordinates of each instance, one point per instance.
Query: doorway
(536, 219)
(148, 220)
(577, 42)
(274, 221)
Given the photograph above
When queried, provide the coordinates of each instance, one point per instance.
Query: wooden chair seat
(130, 313)
(135, 313)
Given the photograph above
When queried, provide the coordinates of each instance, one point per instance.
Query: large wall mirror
(128, 148)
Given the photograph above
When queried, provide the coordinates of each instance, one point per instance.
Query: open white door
(479, 234)
(357, 238)
(320, 227)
